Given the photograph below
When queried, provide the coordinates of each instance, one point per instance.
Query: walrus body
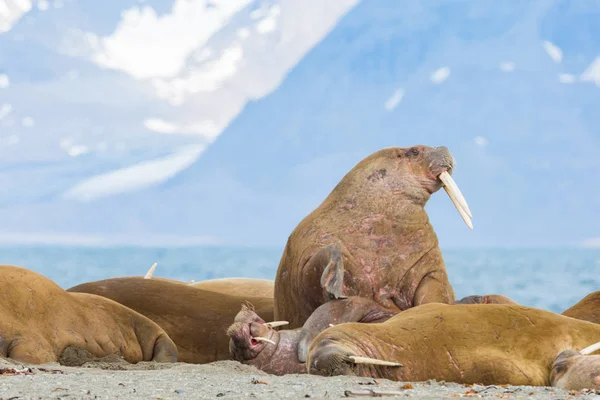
(587, 309)
(195, 319)
(371, 237)
(485, 344)
(248, 287)
(39, 320)
(486, 299)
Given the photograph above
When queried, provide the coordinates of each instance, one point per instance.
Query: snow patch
(134, 178)
(440, 75)
(394, 100)
(507, 66)
(553, 51)
(592, 73)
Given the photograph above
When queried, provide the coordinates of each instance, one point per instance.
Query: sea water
(552, 279)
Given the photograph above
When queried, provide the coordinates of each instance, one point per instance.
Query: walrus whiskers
(263, 339)
(373, 361)
(275, 324)
(457, 198)
(590, 349)
(150, 272)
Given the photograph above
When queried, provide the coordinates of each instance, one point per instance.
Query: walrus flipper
(165, 350)
(351, 309)
(332, 279)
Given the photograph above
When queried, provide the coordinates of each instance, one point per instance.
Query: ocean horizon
(548, 278)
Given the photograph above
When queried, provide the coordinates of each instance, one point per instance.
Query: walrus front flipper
(30, 350)
(352, 309)
(165, 350)
(332, 279)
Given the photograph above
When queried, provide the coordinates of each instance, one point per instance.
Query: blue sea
(552, 279)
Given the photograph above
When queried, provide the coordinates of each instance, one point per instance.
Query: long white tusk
(457, 198)
(373, 361)
(590, 349)
(275, 324)
(150, 272)
(264, 339)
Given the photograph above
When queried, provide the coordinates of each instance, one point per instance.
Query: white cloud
(11, 11)
(481, 141)
(440, 75)
(173, 37)
(592, 242)
(269, 22)
(592, 73)
(243, 33)
(394, 100)
(208, 77)
(27, 122)
(43, 5)
(507, 66)
(5, 109)
(4, 81)
(134, 178)
(73, 150)
(159, 125)
(553, 51)
(566, 78)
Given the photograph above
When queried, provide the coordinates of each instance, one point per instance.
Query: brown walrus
(195, 319)
(484, 344)
(251, 287)
(587, 309)
(279, 353)
(486, 299)
(39, 320)
(371, 237)
(576, 370)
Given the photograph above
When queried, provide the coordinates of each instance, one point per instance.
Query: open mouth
(457, 198)
(255, 340)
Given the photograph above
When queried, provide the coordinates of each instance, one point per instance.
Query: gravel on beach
(114, 379)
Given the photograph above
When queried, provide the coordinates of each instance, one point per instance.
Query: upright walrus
(587, 309)
(194, 318)
(39, 320)
(479, 343)
(371, 237)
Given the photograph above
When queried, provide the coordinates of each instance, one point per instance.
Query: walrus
(194, 318)
(251, 287)
(254, 342)
(587, 309)
(486, 299)
(39, 321)
(479, 343)
(576, 370)
(371, 237)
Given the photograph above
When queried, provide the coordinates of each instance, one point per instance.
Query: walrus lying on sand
(251, 287)
(587, 309)
(371, 237)
(485, 344)
(39, 320)
(195, 319)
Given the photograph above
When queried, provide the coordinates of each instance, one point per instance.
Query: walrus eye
(414, 151)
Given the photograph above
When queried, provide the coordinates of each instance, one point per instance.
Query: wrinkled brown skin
(479, 343)
(573, 371)
(289, 355)
(486, 299)
(587, 309)
(248, 287)
(371, 237)
(195, 319)
(39, 320)
(278, 359)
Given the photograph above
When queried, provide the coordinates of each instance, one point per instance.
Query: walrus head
(414, 173)
(249, 334)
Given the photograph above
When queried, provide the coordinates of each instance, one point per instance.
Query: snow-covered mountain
(230, 120)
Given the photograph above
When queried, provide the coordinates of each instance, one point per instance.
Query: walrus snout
(440, 160)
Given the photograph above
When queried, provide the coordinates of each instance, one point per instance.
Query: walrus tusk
(457, 198)
(590, 349)
(150, 272)
(263, 339)
(373, 361)
(275, 324)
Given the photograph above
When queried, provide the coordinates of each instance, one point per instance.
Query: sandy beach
(112, 379)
